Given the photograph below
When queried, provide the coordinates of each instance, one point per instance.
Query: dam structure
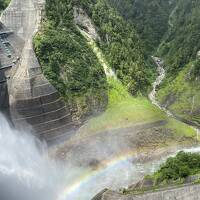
(190, 192)
(25, 94)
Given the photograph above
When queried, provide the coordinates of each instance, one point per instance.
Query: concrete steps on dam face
(35, 81)
(34, 104)
(31, 85)
(47, 129)
(52, 124)
(45, 116)
(34, 92)
(47, 125)
(32, 109)
(59, 133)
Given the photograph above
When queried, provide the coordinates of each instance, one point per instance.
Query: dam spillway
(27, 96)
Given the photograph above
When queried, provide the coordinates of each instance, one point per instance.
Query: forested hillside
(121, 47)
(3, 4)
(183, 41)
(150, 18)
(71, 66)
(130, 31)
(68, 62)
(181, 91)
(170, 29)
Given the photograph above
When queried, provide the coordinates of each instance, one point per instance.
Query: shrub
(180, 166)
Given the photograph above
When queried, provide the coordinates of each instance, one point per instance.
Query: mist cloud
(26, 172)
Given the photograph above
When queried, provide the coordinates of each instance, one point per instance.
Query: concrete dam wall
(32, 101)
(191, 192)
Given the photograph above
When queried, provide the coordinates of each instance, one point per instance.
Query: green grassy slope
(75, 67)
(180, 90)
(172, 27)
(124, 110)
(183, 93)
(71, 66)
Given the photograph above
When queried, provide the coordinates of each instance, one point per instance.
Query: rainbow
(107, 164)
(88, 175)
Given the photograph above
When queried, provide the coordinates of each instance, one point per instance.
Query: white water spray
(26, 173)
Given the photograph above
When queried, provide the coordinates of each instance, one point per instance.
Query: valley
(86, 102)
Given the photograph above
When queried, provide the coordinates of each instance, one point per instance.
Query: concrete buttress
(33, 102)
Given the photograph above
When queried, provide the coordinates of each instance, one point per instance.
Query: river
(27, 172)
(152, 95)
(118, 171)
(156, 83)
